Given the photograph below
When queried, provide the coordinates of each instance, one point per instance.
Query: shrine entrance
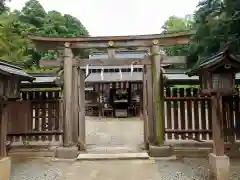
(74, 68)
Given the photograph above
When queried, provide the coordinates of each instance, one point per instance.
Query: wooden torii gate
(153, 99)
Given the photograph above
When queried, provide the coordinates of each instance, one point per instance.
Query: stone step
(112, 150)
(112, 156)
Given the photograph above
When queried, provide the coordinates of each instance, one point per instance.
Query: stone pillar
(219, 167)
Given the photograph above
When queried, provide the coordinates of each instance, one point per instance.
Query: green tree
(13, 47)
(177, 24)
(217, 22)
(3, 6)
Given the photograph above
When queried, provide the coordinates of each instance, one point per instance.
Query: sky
(118, 17)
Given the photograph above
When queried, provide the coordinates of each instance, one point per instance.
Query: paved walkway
(107, 134)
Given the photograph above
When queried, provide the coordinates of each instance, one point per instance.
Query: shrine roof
(10, 69)
(214, 60)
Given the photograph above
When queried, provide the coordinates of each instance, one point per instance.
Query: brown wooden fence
(188, 114)
(35, 117)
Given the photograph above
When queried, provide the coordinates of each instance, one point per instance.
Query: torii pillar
(69, 149)
(159, 149)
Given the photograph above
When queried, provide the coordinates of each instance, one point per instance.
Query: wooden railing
(188, 114)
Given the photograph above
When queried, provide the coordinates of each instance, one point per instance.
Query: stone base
(5, 168)
(219, 167)
(66, 152)
(160, 151)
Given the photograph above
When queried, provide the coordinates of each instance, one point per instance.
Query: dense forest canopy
(216, 23)
(33, 19)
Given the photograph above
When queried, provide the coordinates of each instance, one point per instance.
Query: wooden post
(3, 133)
(81, 101)
(151, 123)
(75, 106)
(144, 108)
(158, 93)
(67, 125)
(217, 129)
(111, 53)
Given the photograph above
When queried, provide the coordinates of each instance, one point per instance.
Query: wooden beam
(137, 61)
(3, 132)
(166, 39)
(81, 110)
(68, 61)
(75, 107)
(217, 121)
(111, 62)
(157, 94)
(151, 123)
(115, 62)
(144, 109)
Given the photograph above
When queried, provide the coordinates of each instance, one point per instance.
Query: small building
(10, 78)
(115, 90)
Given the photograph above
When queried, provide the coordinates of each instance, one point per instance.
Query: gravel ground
(186, 169)
(115, 133)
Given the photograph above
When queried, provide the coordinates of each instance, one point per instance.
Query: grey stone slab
(66, 152)
(113, 156)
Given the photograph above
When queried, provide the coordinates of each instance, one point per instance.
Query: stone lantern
(217, 76)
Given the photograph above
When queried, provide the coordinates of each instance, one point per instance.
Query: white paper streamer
(120, 71)
(131, 69)
(102, 73)
(87, 70)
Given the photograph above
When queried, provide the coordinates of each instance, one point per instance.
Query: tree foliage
(216, 22)
(33, 19)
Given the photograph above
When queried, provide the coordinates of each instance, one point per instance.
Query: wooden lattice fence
(36, 117)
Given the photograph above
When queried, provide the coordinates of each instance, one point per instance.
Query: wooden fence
(188, 114)
(35, 117)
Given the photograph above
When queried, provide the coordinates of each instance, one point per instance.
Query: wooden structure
(74, 100)
(10, 78)
(218, 81)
